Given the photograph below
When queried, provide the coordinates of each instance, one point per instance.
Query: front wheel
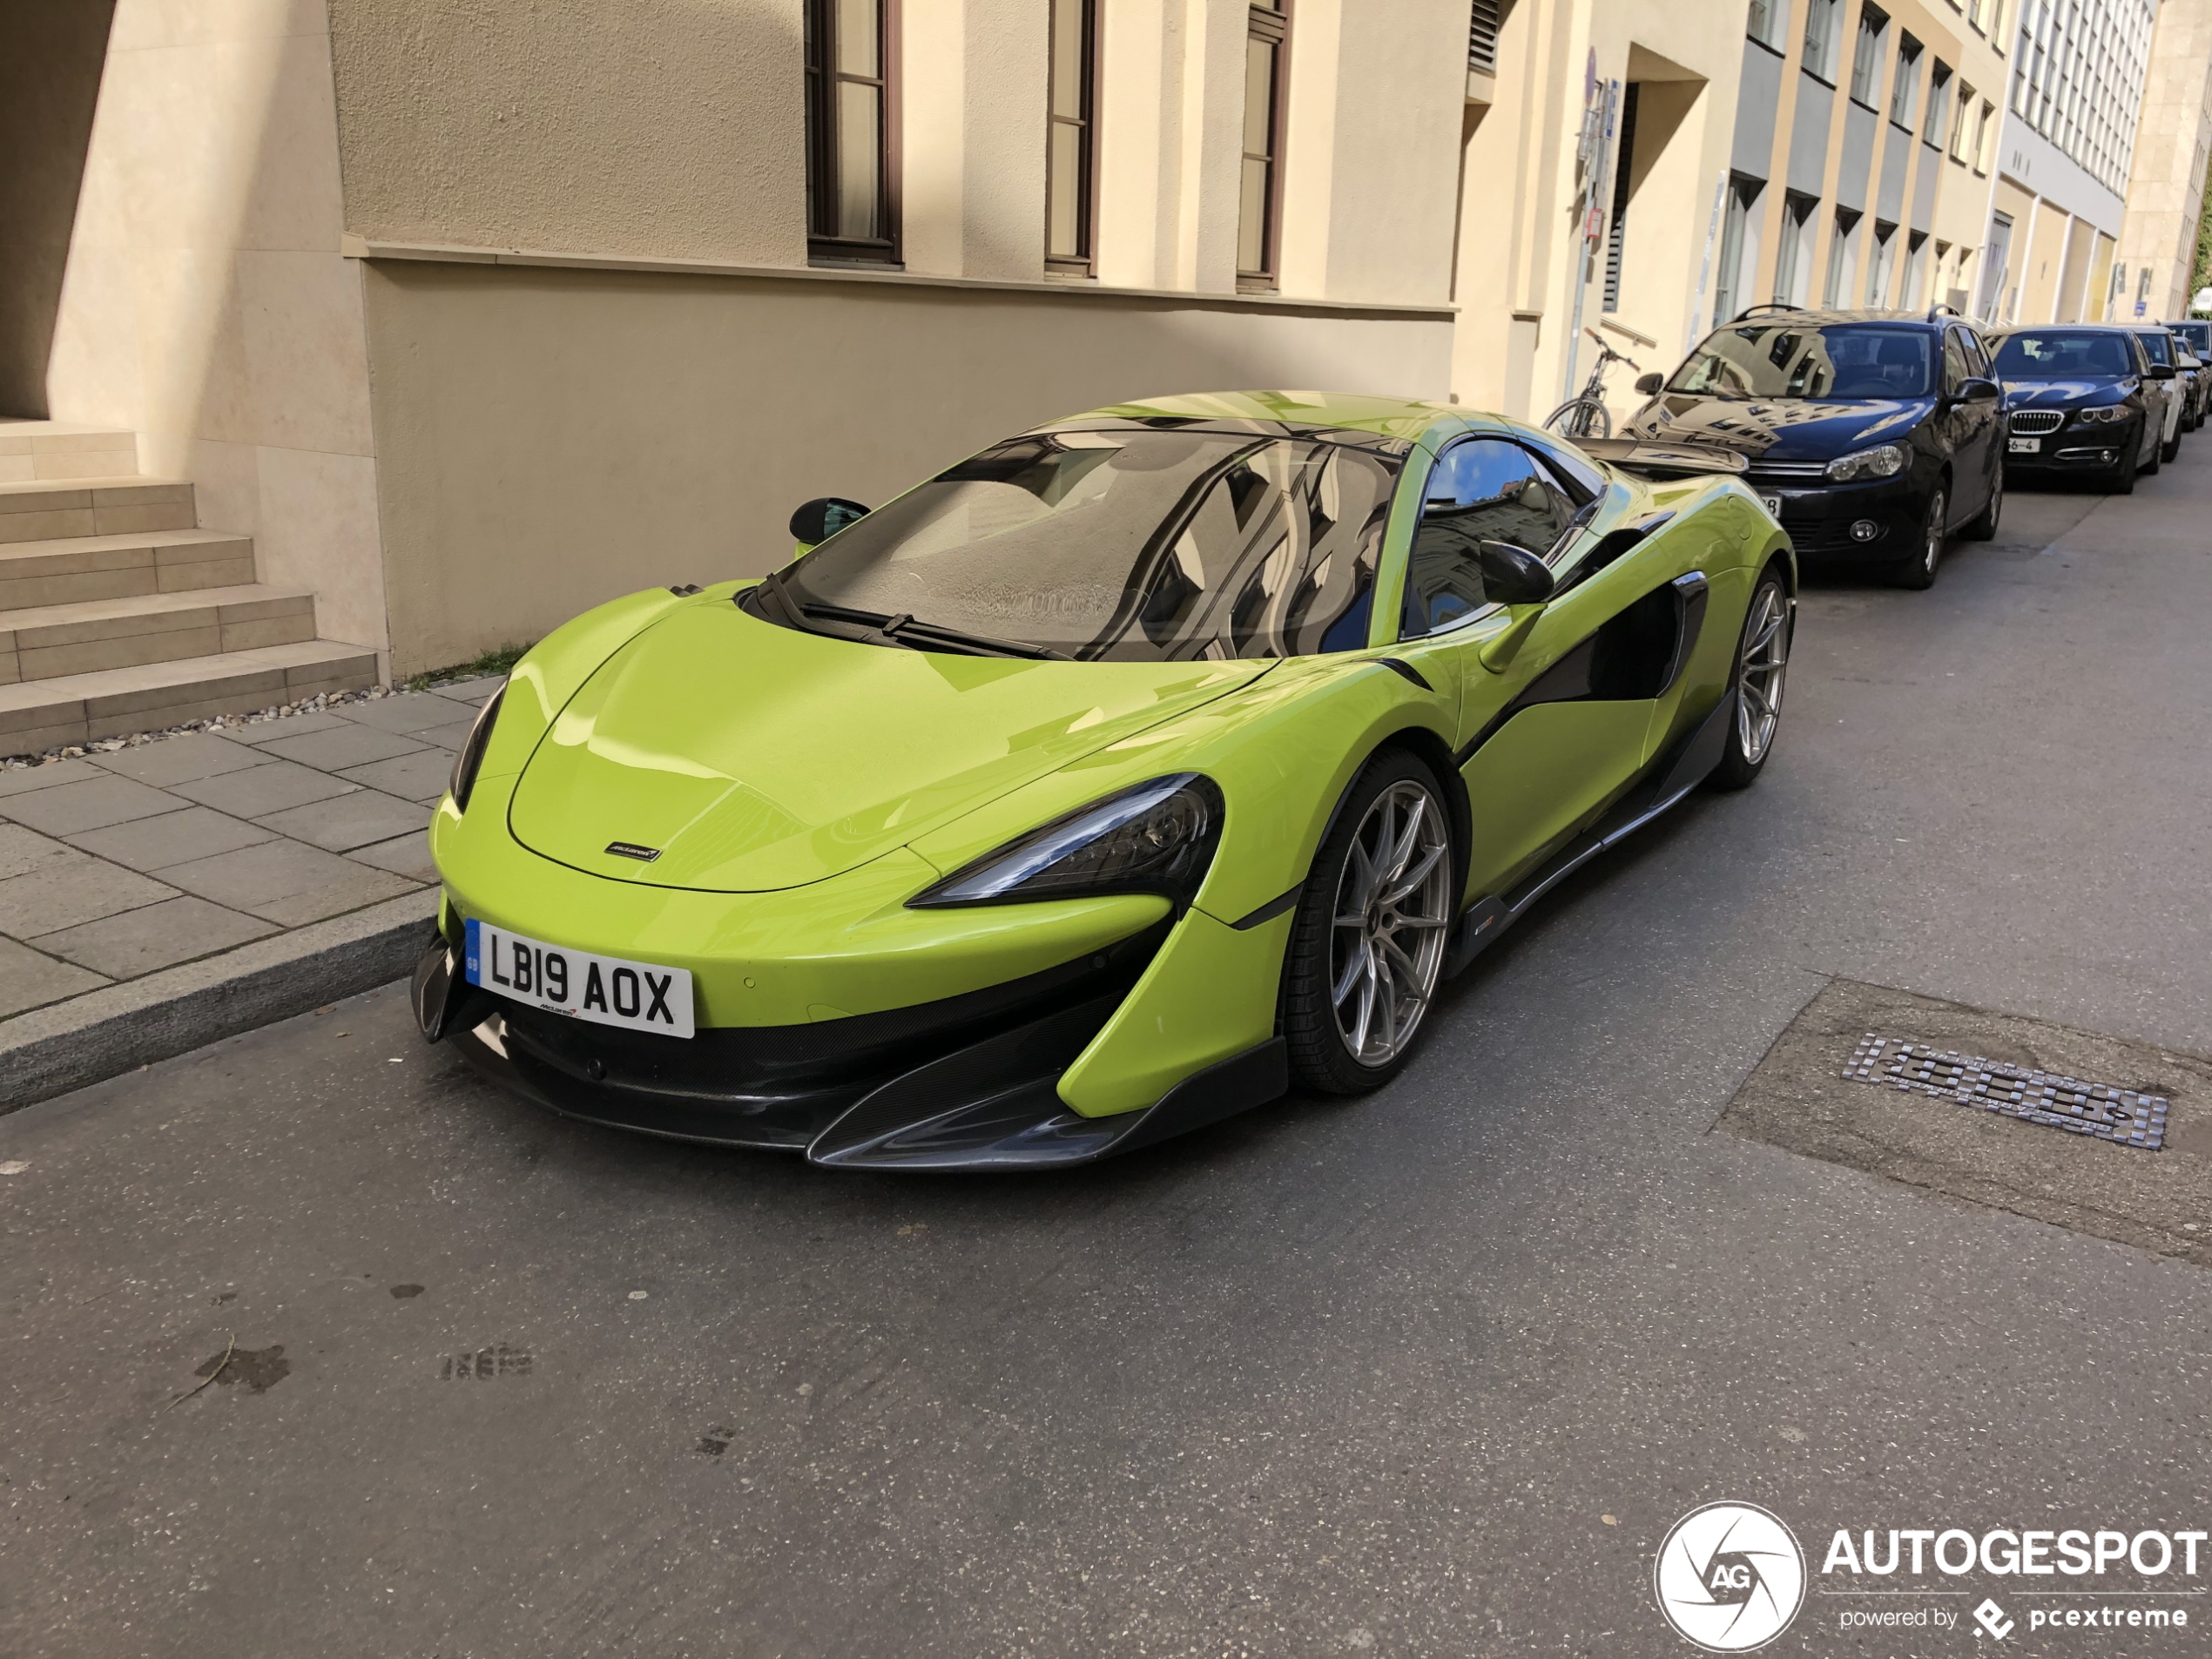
(1580, 417)
(1919, 570)
(1367, 949)
(2172, 447)
(1761, 665)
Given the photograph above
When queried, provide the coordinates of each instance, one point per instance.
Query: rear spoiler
(1648, 460)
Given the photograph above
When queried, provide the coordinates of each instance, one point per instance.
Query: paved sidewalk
(119, 865)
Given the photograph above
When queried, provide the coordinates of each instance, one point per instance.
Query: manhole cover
(2109, 1113)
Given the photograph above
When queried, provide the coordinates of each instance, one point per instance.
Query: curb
(50, 1051)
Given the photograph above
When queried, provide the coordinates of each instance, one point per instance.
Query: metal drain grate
(2120, 1115)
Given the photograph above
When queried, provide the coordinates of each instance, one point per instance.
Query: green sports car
(1108, 782)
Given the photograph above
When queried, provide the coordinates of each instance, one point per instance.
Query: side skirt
(1663, 786)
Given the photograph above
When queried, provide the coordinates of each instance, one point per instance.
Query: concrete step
(37, 715)
(33, 450)
(48, 642)
(116, 567)
(45, 510)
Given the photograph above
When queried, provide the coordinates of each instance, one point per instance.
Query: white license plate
(1773, 505)
(2023, 446)
(637, 996)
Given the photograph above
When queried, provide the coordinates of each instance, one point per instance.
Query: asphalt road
(1429, 1374)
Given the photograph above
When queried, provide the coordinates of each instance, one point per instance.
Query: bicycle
(1585, 417)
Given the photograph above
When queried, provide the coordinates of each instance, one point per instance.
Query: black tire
(2172, 451)
(1740, 767)
(2149, 469)
(1918, 571)
(1320, 1052)
(1984, 527)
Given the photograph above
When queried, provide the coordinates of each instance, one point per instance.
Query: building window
(1916, 271)
(1793, 259)
(1995, 261)
(1963, 128)
(1843, 258)
(1822, 18)
(1866, 60)
(1904, 89)
(1985, 128)
(1768, 24)
(1882, 265)
(1260, 196)
(1739, 249)
(852, 206)
(1935, 132)
(1623, 162)
(1071, 155)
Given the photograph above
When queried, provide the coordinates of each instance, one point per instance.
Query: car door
(1550, 732)
(1982, 450)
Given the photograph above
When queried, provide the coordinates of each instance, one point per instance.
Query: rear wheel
(1373, 922)
(1580, 417)
(1919, 570)
(1762, 664)
(1983, 527)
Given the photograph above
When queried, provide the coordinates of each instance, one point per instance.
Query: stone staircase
(118, 614)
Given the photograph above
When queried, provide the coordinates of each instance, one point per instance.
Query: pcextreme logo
(1729, 1577)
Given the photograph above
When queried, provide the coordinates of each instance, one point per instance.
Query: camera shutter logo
(1729, 1577)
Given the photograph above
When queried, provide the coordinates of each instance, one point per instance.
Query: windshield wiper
(918, 635)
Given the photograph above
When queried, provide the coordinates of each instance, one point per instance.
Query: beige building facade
(395, 334)
(2074, 95)
(472, 319)
(2157, 251)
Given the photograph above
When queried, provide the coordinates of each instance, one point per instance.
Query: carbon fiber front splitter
(989, 1104)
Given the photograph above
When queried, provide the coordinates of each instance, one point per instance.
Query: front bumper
(2074, 449)
(969, 1082)
(1820, 518)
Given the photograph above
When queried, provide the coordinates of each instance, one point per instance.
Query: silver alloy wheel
(1931, 533)
(1393, 912)
(1758, 681)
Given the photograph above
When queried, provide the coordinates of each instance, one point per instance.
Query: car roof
(1283, 413)
(2078, 328)
(1809, 313)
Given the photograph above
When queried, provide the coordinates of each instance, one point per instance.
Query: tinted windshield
(2063, 354)
(2199, 335)
(2158, 348)
(1136, 546)
(1795, 360)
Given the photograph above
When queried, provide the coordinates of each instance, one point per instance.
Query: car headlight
(465, 763)
(2103, 412)
(1156, 838)
(1883, 461)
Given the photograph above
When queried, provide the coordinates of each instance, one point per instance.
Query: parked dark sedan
(1872, 436)
(2164, 352)
(2083, 401)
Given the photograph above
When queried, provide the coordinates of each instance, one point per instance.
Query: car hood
(1779, 428)
(2058, 394)
(753, 757)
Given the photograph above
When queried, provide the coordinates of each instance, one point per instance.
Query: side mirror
(1649, 385)
(821, 518)
(2161, 371)
(1513, 576)
(1972, 391)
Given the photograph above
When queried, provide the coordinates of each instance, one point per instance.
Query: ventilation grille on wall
(1482, 34)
